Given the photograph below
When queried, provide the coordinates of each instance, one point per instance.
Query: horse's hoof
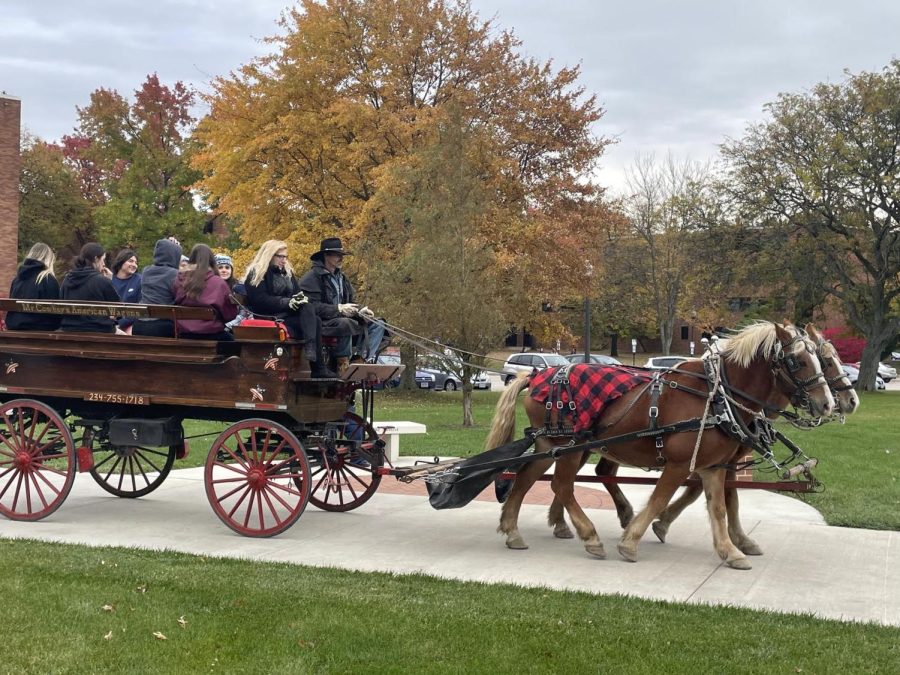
(627, 552)
(750, 548)
(596, 550)
(739, 564)
(660, 530)
(516, 543)
(562, 531)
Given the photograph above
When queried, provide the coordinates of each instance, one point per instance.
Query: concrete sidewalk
(832, 572)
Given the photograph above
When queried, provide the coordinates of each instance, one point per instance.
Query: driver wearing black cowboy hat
(334, 299)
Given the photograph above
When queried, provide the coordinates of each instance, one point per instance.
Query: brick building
(10, 119)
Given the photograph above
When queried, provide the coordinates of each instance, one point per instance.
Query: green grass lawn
(73, 609)
(859, 462)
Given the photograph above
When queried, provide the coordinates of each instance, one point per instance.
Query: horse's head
(845, 396)
(798, 371)
(789, 355)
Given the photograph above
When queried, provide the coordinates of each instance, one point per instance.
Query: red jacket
(215, 294)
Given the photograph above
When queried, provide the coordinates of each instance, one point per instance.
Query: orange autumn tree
(298, 143)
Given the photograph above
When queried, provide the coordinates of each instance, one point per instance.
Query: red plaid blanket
(593, 387)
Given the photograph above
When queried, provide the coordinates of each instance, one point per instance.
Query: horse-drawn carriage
(114, 406)
(293, 439)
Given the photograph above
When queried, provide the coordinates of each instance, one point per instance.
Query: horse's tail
(504, 423)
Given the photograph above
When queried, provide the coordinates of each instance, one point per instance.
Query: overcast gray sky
(674, 76)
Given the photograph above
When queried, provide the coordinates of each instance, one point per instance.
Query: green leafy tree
(442, 278)
(52, 208)
(824, 164)
(134, 162)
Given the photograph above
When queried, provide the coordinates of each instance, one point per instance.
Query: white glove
(297, 301)
(367, 313)
(348, 309)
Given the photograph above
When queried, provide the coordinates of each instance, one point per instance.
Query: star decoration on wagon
(256, 393)
(271, 363)
(11, 367)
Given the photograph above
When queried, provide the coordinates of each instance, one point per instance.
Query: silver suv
(528, 361)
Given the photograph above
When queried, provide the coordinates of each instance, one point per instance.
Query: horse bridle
(786, 365)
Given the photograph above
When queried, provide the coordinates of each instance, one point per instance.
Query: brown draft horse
(764, 362)
(846, 403)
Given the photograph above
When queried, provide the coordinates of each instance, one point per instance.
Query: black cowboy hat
(330, 245)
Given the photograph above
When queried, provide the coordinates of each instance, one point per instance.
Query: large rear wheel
(257, 478)
(348, 461)
(37, 460)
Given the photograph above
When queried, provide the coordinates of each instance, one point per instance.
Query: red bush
(849, 348)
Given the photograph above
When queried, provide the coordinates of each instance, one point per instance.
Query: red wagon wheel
(257, 478)
(347, 475)
(37, 460)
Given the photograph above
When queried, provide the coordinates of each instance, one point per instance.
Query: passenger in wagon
(225, 267)
(157, 281)
(334, 298)
(199, 285)
(89, 280)
(274, 291)
(127, 281)
(35, 280)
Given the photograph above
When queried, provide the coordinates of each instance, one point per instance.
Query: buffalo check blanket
(593, 387)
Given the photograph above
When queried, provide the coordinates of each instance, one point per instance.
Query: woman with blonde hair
(274, 291)
(35, 280)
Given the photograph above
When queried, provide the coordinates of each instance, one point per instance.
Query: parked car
(424, 380)
(853, 374)
(664, 362)
(600, 359)
(446, 380)
(885, 372)
(528, 361)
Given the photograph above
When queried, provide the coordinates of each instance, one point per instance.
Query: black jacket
(273, 294)
(26, 287)
(318, 286)
(86, 283)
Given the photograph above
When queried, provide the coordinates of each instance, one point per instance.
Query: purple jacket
(215, 294)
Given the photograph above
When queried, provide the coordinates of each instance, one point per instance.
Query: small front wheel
(130, 471)
(257, 478)
(348, 462)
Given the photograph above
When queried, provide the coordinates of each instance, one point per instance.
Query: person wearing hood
(87, 280)
(35, 280)
(126, 280)
(157, 281)
(201, 286)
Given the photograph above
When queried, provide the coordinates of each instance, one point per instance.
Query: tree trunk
(614, 344)
(468, 420)
(408, 358)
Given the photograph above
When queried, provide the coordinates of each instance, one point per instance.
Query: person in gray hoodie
(157, 281)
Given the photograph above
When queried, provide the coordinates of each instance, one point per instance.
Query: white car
(853, 374)
(664, 362)
(528, 361)
(885, 372)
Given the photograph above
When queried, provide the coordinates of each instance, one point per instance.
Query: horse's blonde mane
(757, 338)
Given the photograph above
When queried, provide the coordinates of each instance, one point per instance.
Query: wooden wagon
(114, 406)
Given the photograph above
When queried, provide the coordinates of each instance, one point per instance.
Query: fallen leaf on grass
(108, 608)
(108, 636)
(306, 643)
(141, 589)
(159, 636)
(182, 622)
